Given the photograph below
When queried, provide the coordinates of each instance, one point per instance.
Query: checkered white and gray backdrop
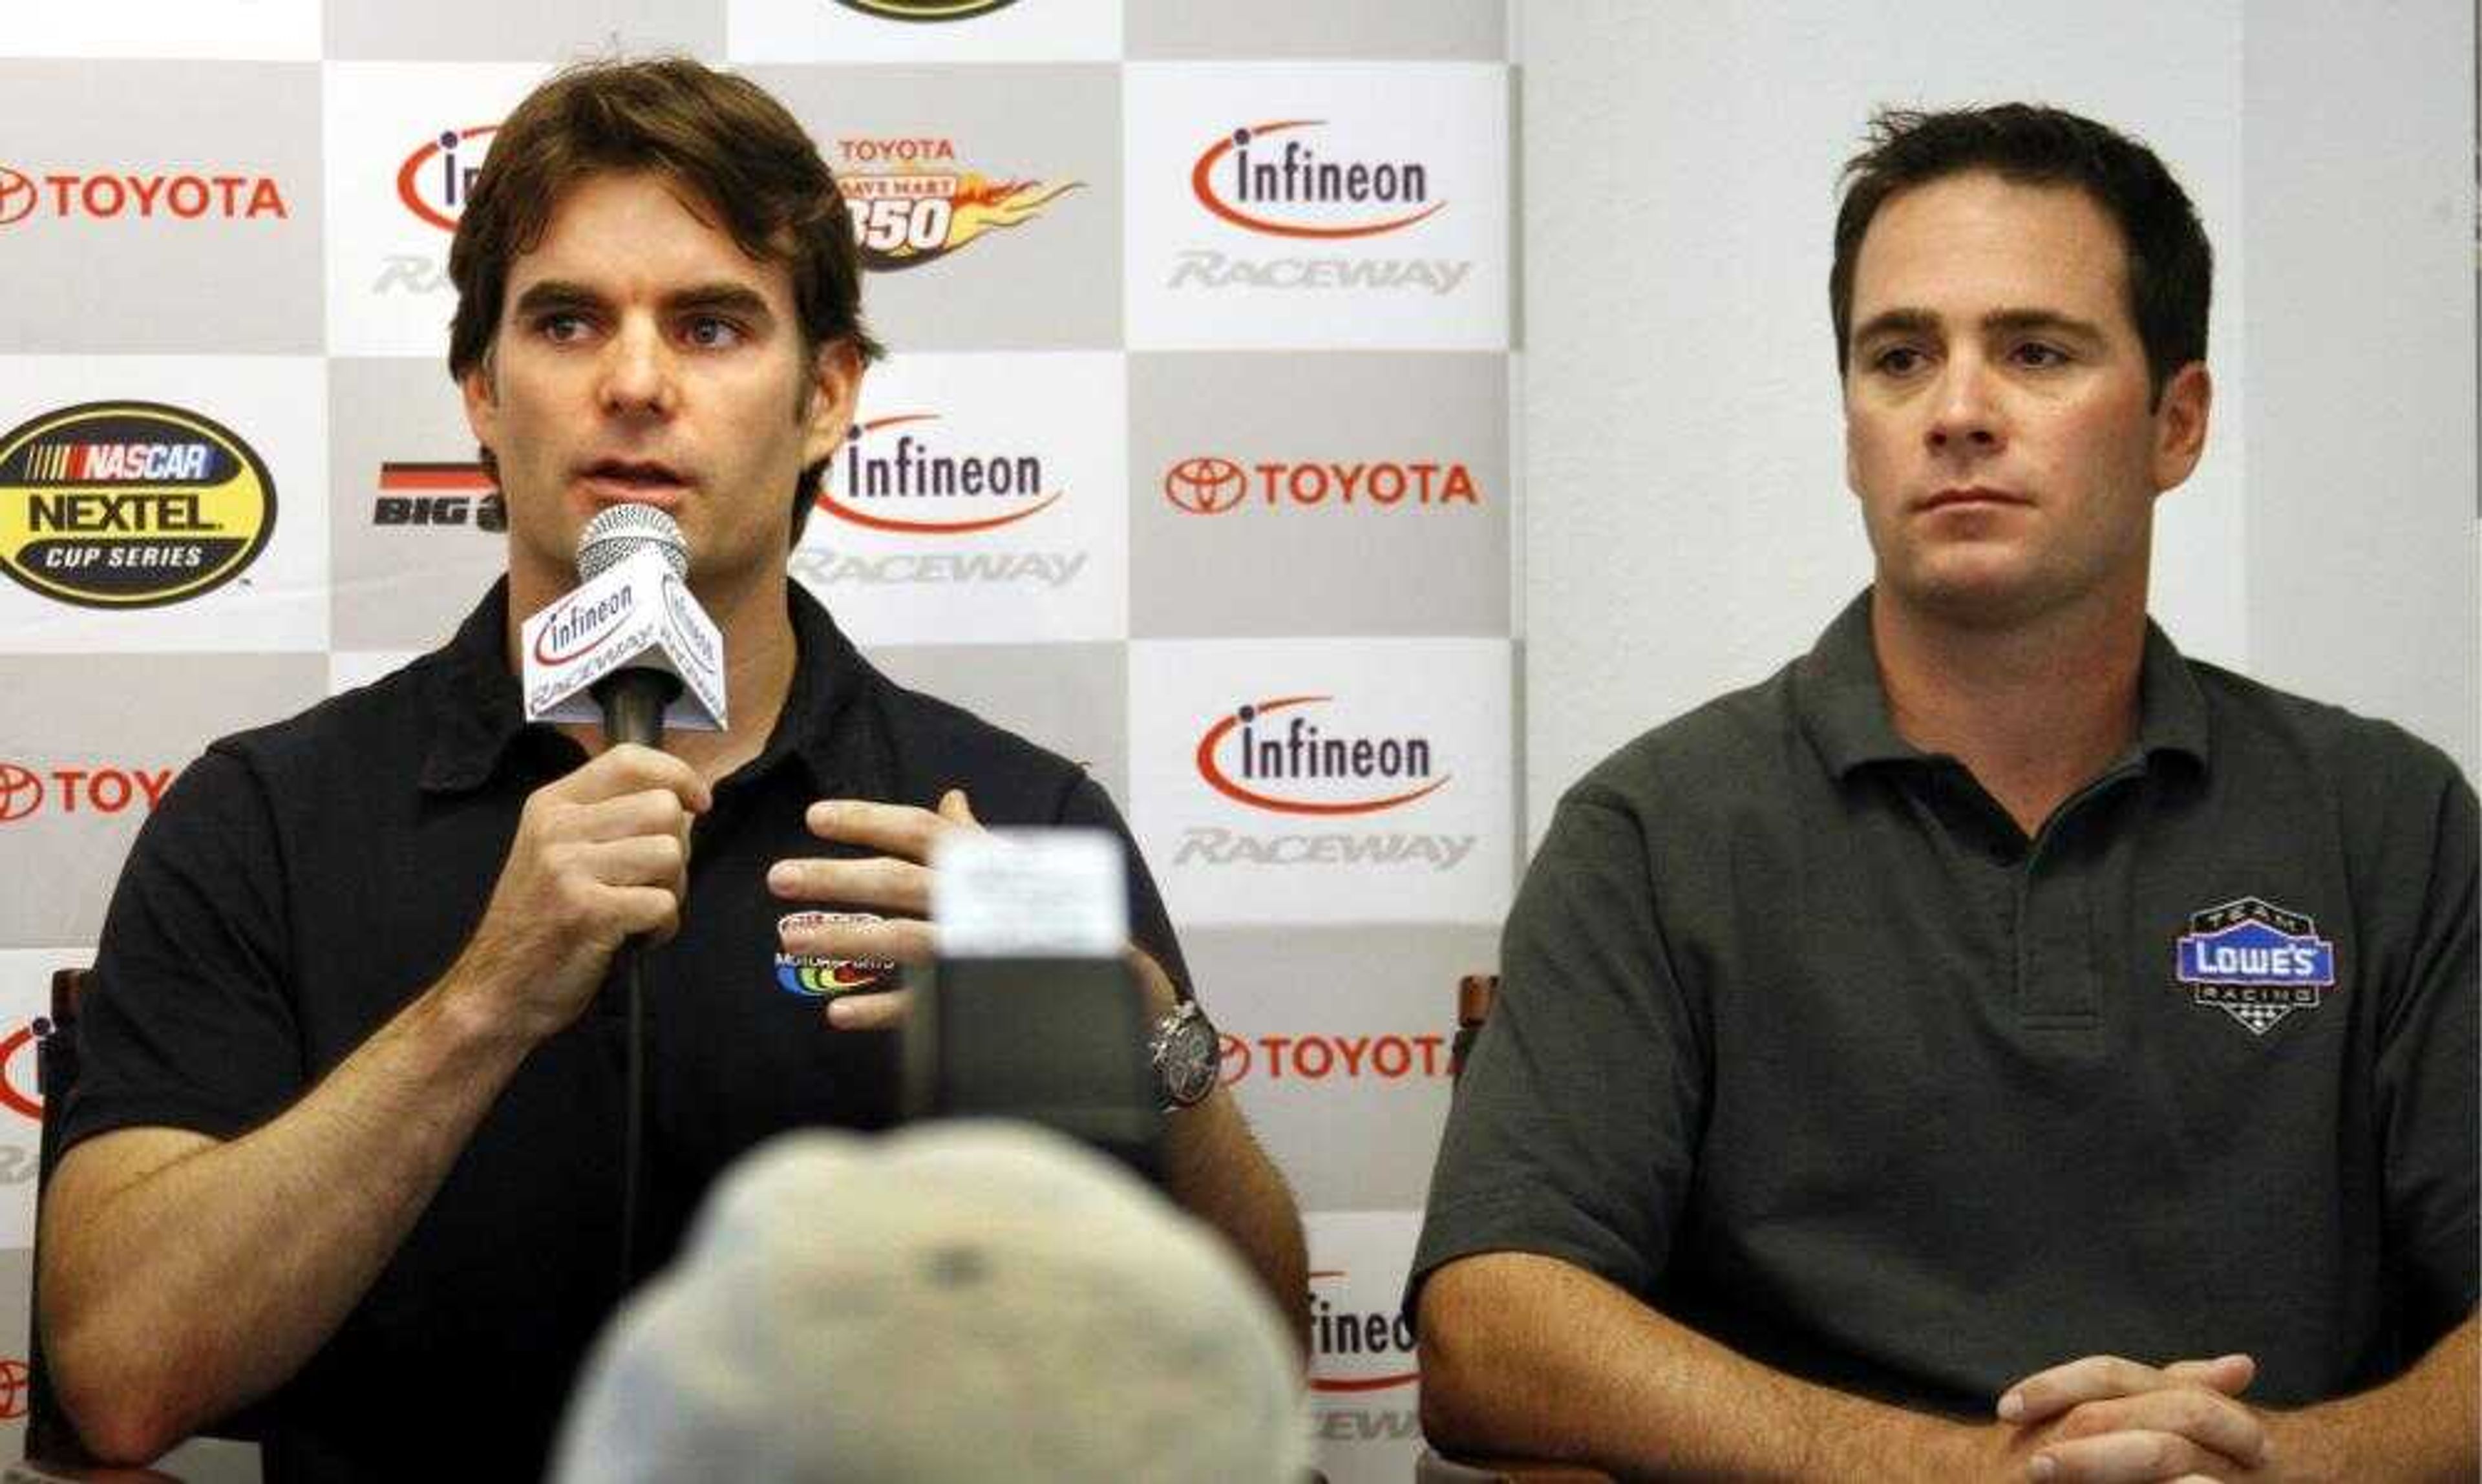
(1225, 456)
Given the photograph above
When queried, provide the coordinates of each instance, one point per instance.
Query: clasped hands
(2107, 1421)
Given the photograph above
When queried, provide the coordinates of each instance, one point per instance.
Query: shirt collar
(1843, 708)
(476, 712)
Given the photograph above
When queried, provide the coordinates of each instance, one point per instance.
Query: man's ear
(2181, 424)
(481, 404)
(834, 394)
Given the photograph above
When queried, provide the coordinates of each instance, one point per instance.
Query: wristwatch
(1187, 1054)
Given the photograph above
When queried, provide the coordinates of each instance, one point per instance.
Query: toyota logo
(1205, 486)
(21, 792)
(16, 195)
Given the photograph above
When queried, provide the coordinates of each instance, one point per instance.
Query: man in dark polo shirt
(347, 1151)
(1996, 1046)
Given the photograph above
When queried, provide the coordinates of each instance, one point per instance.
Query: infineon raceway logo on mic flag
(915, 201)
(130, 504)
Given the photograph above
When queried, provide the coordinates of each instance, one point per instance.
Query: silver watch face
(1188, 1055)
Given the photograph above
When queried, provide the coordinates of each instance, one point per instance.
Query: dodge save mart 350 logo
(130, 504)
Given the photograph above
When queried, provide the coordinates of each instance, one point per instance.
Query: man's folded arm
(184, 1277)
(1528, 1355)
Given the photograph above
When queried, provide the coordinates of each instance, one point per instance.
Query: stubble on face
(1997, 419)
(643, 357)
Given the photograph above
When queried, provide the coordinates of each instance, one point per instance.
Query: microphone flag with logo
(628, 644)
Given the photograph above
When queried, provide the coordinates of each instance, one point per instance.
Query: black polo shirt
(1802, 1041)
(301, 883)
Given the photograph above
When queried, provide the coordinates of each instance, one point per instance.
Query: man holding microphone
(347, 1144)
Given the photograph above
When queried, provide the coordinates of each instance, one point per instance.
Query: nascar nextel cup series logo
(926, 9)
(1284, 179)
(185, 195)
(914, 204)
(1209, 485)
(2255, 961)
(435, 179)
(130, 504)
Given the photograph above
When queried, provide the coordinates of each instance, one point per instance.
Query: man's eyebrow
(2053, 321)
(1896, 322)
(719, 297)
(555, 294)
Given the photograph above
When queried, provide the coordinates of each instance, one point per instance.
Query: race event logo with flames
(914, 202)
(1274, 755)
(898, 474)
(130, 504)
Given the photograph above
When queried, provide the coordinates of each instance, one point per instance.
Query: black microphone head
(619, 532)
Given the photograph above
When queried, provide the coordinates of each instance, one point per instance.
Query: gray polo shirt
(1801, 1040)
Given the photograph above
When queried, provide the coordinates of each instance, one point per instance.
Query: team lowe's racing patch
(2255, 961)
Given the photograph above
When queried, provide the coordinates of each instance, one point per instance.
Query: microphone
(633, 697)
(629, 646)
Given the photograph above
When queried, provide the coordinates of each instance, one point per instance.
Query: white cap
(957, 1301)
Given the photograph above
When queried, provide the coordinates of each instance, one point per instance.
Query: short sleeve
(189, 1023)
(2426, 1087)
(1573, 1129)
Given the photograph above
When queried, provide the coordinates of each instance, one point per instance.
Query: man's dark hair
(721, 137)
(2171, 268)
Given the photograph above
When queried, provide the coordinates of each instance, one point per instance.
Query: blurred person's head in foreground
(952, 1301)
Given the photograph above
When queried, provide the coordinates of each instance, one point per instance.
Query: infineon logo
(1289, 764)
(435, 179)
(926, 9)
(1285, 186)
(897, 476)
(913, 202)
(130, 504)
(1355, 1350)
(576, 627)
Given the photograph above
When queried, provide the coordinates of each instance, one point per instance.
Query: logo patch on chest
(816, 976)
(2255, 961)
